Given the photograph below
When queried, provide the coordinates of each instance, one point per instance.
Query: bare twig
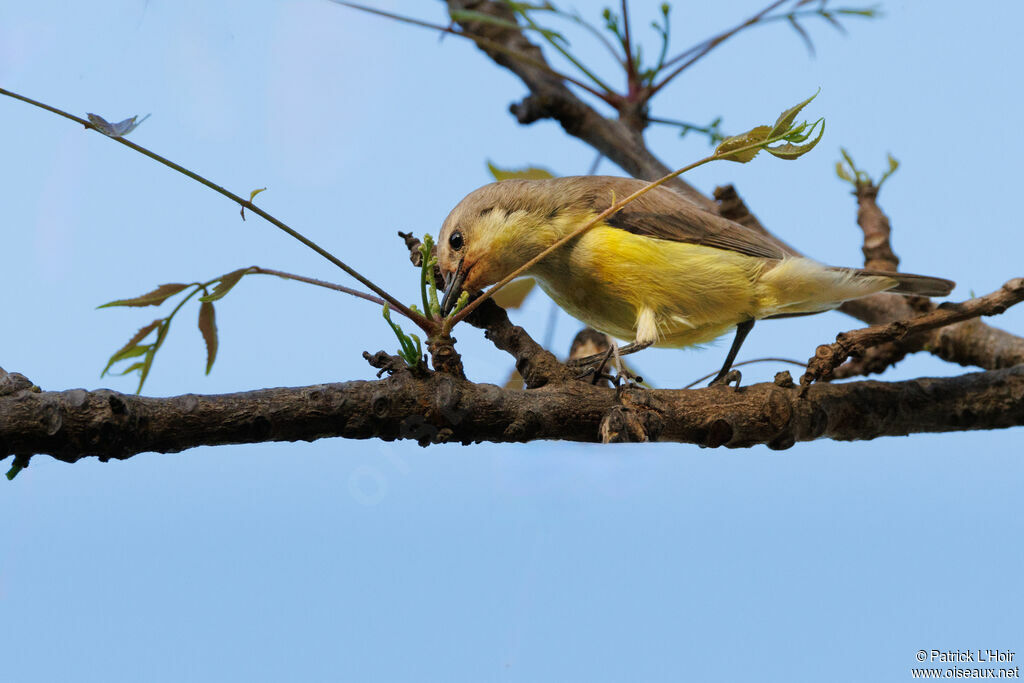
(830, 356)
(695, 53)
(606, 95)
(256, 270)
(421, 321)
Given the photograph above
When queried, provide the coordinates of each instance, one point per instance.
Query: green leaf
(410, 353)
(154, 298)
(843, 175)
(869, 12)
(514, 293)
(147, 362)
(461, 303)
(751, 137)
(461, 15)
(129, 350)
(791, 151)
(529, 6)
(893, 165)
(252, 195)
(134, 367)
(133, 352)
(785, 121)
(224, 285)
(529, 173)
(208, 328)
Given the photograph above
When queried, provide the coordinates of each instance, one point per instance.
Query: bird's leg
(599, 373)
(621, 371)
(598, 357)
(724, 376)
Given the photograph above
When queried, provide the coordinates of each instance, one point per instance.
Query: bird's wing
(666, 215)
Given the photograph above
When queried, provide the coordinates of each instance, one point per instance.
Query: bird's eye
(455, 241)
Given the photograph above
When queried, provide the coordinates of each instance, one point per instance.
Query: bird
(662, 271)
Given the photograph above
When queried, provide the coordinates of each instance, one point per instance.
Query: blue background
(352, 560)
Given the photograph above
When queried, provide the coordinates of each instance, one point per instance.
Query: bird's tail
(906, 283)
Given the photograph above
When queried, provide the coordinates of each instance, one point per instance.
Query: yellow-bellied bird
(661, 271)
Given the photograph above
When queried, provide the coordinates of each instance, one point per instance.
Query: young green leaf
(460, 303)
(224, 285)
(529, 173)
(154, 298)
(461, 15)
(893, 165)
(428, 292)
(753, 136)
(843, 174)
(791, 151)
(785, 121)
(147, 362)
(411, 353)
(252, 195)
(208, 328)
(134, 367)
(132, 349)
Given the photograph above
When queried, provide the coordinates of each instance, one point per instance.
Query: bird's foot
(600, 363)
(727, 378)
(602, 357)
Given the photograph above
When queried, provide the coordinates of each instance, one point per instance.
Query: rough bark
(70, 425)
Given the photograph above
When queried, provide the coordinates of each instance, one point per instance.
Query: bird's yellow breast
(693, 294)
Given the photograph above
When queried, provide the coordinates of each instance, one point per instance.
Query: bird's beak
(452, 288)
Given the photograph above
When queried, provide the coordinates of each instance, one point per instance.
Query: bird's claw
(727, 379)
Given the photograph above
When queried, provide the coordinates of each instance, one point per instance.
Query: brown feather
(666, 215)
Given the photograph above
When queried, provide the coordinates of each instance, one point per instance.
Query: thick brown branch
(829, 356)
(878, 253)
(73, 424)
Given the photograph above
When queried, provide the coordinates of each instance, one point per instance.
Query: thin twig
(257, 270)
(747, 362)
(596, 32)
(424, 323)
(701, 49)
(565, 53)
(628, 47)
(485, 42)
(830, 356)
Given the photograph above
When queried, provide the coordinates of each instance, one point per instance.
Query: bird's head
(491, 232)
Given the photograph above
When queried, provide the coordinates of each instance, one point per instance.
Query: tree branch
(70, 425)
(829, 356)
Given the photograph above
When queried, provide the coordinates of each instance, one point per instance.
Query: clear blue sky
(360, 560)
